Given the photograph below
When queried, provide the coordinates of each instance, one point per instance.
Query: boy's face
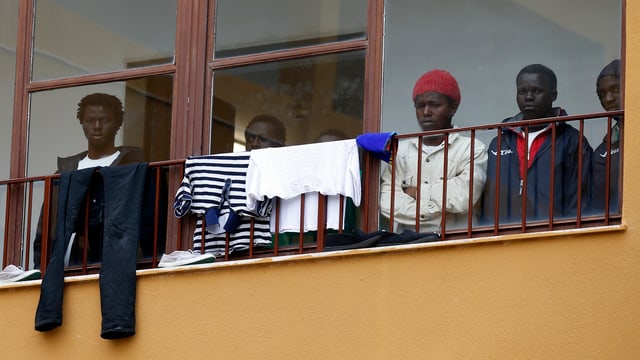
(434, 111)
(609, 92)
(262, 135)
(99, 126)
(534, 96)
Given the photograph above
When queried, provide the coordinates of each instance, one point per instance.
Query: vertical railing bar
(394, 152)
(27, 249)
(156, 217)
(523, 188)
(252, 235)
(276, 239)
(203, 234)
(322, 219)
(418, 183)
(496, 200)
(445, 178)
(46, 224)
(301, 233)
(341, 214)
(607, 180)
(472, 159)
(85, 240)
(6, 226)
(621, 161)
(552, 174)
(364, 195)
(580, 179)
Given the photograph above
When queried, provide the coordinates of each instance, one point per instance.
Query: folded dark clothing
(354, 240)
(408, 237)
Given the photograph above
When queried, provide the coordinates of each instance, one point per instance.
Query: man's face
(99, 126)
(262, 135)
(433, 111)
(534, 96)
(609, 92)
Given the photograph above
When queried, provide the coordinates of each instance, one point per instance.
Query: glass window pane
(485, 43)
(9, 20)
(55, 132)
(245, 27)
(77, 37)
(308, 96)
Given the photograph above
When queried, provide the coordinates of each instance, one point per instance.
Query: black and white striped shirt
(201, 191)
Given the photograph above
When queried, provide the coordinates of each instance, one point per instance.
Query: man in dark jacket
(525, 159)
(608, 90)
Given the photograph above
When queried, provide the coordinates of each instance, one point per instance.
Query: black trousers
(123, 188)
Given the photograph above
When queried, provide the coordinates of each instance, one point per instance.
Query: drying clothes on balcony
(123, 188)
(329, 168)
(289, 213)
(204, 194)
(377, 144)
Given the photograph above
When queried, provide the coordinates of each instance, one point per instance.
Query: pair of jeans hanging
(123, 188)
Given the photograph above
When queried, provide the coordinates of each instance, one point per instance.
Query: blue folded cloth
(378, 144)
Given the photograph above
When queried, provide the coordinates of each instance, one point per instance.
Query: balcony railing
(28, 200)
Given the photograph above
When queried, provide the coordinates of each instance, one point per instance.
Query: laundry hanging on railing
(329, 168)
(203, 193)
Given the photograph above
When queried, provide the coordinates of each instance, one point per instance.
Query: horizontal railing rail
(164, 232)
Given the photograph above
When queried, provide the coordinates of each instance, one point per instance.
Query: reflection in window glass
(55, 132)
(485, 43)
(307, 96)
(77, 37)
(245, 27)
(9, 21)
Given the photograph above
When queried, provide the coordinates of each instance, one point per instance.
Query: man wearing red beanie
(436, 97)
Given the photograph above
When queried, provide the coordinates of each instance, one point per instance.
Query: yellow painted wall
(569, 297)
(574, 296)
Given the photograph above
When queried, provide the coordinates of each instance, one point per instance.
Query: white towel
(330, 168)
(289, 214)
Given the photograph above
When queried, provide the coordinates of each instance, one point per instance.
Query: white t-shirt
(105, 161)
(532, 136)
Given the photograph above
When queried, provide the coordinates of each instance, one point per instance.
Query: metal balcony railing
(29, 203)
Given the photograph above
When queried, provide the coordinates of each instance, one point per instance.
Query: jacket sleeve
(402, 201)
(458, 185)
(431, 195)
(570, 181)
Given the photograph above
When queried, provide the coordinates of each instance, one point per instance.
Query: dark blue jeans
(123, 188)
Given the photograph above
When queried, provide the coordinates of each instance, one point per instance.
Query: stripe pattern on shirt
(201, 190)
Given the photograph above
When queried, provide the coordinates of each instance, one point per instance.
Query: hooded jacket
(599, 173)
(538, 174)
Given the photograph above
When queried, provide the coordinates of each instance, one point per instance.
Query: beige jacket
(431, 183)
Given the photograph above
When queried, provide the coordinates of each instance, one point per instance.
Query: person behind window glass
(436, 98)
(264, 131)
(536, 90)
(331, 135)
(101, 116)
(608, 90)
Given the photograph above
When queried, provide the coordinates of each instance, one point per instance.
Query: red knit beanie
(439, 81)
